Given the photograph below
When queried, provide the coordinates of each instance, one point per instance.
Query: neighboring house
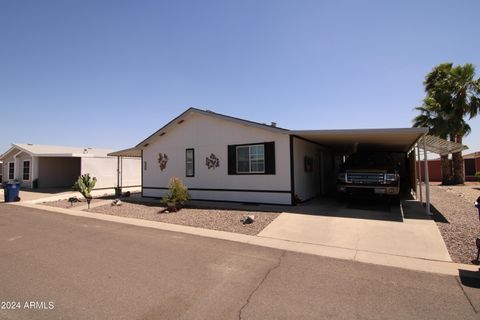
(471, 166)
(45, 166)
(229, 159)
(1, 171)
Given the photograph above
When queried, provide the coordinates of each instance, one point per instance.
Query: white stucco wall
(209, 135)
(105, 170)
(307, 184)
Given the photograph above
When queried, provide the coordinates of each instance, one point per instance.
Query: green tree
(453, 93)
(85, 185)
(465, 97)
(432, 117)
(440, 124)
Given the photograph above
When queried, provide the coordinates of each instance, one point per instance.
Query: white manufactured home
(45, 166)
(222, 158)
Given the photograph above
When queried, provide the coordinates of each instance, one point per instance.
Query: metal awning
(442, 146)
(352, 140)
(131, 152)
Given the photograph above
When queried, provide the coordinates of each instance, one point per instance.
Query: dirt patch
(66, 205)
(215, 219)
(469, 193)
(457, 218)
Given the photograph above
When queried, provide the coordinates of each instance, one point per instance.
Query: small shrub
(177, 194)
(477, 175)
(85, 185)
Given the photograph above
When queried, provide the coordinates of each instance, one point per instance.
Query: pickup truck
(369, 173)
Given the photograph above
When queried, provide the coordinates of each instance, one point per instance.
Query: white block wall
(105, 170)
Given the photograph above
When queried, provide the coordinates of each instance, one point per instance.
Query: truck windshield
(369, 160)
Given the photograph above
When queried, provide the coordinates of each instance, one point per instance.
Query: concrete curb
(415, 264)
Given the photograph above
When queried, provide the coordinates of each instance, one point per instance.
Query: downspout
(427, 182)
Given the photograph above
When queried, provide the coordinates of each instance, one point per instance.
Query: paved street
(92, 269)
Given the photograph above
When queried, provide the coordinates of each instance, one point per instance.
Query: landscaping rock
(73, 200)
(116, 202)
(248, 219)
(461, 226)
(221, 219)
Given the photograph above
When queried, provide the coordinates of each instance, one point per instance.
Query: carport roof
(130, 152)
(351, 140)
(442, 146)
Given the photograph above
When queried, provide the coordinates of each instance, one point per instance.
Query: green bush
(177, 194)
(477, 175)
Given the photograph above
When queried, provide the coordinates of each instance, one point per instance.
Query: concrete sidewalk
(417, 264)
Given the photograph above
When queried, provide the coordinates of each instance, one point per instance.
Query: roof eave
(211, 114)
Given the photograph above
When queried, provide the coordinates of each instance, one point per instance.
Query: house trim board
(228, 201)
(226, 190)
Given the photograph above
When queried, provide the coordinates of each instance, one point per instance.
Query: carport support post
(427, 182)
(118, 172)
(419, 173)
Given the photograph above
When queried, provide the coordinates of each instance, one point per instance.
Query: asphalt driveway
(92, 269)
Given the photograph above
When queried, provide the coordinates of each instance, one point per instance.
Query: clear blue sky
(109, 73)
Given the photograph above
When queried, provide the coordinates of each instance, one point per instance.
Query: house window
(26, 170)
(251, 159)
(145, 165)
(255, 158)
(11, 171)
(190, 162)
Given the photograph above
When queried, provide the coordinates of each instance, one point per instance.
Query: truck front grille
(365, 177)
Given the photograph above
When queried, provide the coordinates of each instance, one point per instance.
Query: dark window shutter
(270, 157)
(232, 159)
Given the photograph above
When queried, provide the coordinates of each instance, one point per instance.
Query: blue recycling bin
(11, 191)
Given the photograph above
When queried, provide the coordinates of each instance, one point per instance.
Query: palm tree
(432, 117)
(465, 94)
(457, 95)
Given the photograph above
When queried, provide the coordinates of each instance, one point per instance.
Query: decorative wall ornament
(162, 161)
(212, 162)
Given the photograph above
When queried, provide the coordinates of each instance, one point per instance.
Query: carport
(403, 141)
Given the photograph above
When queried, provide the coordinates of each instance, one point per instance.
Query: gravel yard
(65, 204)
(216, 219)
(456, 205)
